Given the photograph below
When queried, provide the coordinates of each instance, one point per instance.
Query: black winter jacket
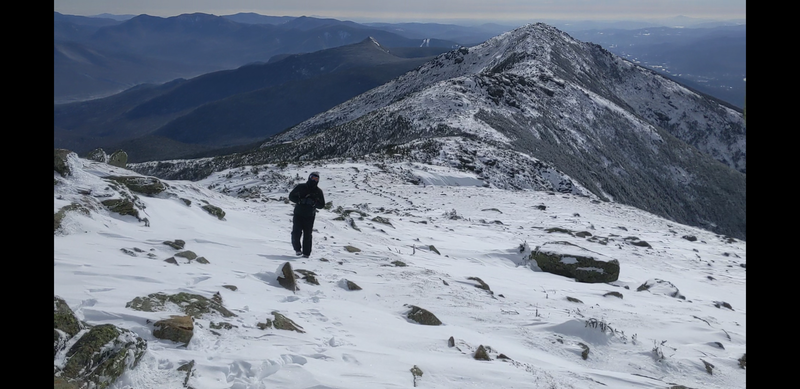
(307, 198)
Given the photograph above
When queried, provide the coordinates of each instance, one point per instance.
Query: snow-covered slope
(541, 330)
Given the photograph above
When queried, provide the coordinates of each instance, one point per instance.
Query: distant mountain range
(229, 108)
(535, 108)
(96, 57)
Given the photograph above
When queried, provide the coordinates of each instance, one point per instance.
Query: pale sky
(421, 10)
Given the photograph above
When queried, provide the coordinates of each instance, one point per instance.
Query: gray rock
(60, 162)
(569, 260)
(118, 158)
(423, 316)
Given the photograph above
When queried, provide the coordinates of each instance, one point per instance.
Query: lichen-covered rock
(193, 305)
(148, 186)
(65, 324)
(482, 354)
(352, 249)
(178, 329)
(177, 244)
(423, 316)
(58, 217)
(188, 254)
(118, 158)
(97, 155)
(214, 210)
(100, 356)
(569, 260)
(282, 322)
(122, 206)
(60, 164)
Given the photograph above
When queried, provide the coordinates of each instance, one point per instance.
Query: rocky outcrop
(193, 305)
(98, 355)
(569, 260)
(148, 186)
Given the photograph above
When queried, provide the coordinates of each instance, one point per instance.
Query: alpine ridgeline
(534, 108)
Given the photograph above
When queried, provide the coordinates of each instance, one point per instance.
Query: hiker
(308, 198)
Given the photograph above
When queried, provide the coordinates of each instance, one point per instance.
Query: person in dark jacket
(308, 198)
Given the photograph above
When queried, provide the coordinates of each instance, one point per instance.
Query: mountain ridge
(576, 115)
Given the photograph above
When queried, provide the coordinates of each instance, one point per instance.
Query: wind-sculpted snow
(408, 234)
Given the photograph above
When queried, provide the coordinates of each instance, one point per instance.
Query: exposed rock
(97, 155)
(574, 300)
(656, 285)
(288, 279)
(432, 248)
(177, 329)
(722, 304)
(569, 260)
(65, 324)
(191, 304)
(615, 294)
(176, 244)
(122, 207)
(349, 285)
(58, 217)
(189, 369)
(215, 211)
(202, 260)
(709, 367)
(482, 354)
(188, 254)
(351, 249)
(399, 263)
(100, 356)
(118, 158)
(451, 342)
(60, 162)
(282, 322)
(148, 186)
(743, 361)
(382, 220)
(482, 285)
(585, 352)
(308, 276)
(422, 316)
(230, 287)
(690, 238)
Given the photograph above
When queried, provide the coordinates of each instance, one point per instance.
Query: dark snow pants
(302, 226)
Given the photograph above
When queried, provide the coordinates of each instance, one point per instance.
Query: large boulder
(98, 355)
(118, 158)
(569, 260)
(176, 328)
(97, 155)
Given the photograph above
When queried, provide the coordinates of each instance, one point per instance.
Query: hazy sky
(420, 10)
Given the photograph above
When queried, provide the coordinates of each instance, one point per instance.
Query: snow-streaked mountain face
(678, 304)
(535, 109)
